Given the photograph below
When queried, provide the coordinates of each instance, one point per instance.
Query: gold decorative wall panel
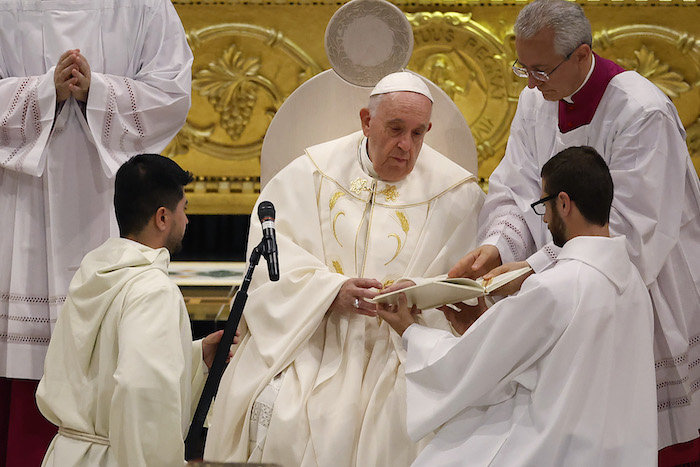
(250, 55)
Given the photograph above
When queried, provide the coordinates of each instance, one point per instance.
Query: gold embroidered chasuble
(342, 400)
(371, 227)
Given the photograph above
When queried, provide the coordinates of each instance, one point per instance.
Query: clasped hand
(351, 296)
(72, 76)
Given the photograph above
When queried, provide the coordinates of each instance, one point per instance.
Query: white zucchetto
(402, 81)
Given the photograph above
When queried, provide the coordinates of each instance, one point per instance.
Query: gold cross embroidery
(359, 185)
(389, 192)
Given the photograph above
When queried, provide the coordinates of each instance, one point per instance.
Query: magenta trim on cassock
(586, 100)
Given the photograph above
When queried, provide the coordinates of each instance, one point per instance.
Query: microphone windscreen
(266, 210)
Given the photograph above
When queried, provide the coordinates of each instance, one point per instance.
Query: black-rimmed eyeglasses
(522, 72)
(539, 207)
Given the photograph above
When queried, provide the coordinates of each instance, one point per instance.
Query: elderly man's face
(565, 74)
(395, 133)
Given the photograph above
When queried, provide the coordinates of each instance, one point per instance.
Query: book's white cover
(443, 290)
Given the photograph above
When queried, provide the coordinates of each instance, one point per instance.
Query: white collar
(588, 76)
(365, 161)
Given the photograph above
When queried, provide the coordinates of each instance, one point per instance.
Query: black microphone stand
(194, 443)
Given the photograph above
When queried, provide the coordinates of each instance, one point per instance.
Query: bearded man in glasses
(541, 379)
(575, 97)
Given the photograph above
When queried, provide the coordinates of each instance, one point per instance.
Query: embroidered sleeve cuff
(544, 258)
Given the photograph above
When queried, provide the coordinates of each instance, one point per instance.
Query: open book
(443, 290)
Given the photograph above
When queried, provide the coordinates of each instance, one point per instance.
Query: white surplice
(559, 375)
(342, 395)
(121, 366)
(637, 131)
(57, 167)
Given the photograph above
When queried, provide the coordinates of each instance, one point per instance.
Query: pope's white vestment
(341, 401)
(656, 206)
(57, 164)
(560, 374)
(122, 374)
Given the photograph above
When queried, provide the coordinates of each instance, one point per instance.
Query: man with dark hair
(122, 372)
(541, 378)
(143, 185)
(575, 97)
(84, 86)
(584, 176)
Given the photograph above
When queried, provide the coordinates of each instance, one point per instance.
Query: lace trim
(27, 319)
(508, 238)
(138, 147)
(261, 414)
(666, 384)
(31, 97)
(37, 115)
(134, 110)
(513, 247)
(4, 134)
(668, 362)
(15, 298)
(550, 252)
(109, 117)
(522, 220)
(13, 106)
(678, 361)
(16, 338)
(681, 401)
(501, 228)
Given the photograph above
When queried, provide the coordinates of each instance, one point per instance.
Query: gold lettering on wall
(472, 66)
(250, 55)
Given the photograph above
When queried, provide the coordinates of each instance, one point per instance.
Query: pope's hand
(351, 296)
(477, 262)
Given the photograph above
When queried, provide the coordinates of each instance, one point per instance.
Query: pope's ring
(356, 303)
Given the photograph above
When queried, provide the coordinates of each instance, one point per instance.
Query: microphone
(266, 214)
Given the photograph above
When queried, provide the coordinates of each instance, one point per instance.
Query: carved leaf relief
(647, 65)
(693, 137)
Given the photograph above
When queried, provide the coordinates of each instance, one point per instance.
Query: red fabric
(586, 100)
(24, 433)
(684, 454)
